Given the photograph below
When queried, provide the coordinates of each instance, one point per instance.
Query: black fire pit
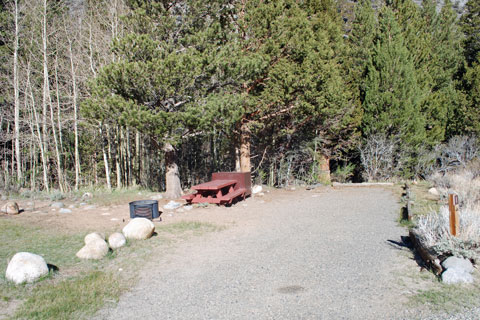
(144, 209)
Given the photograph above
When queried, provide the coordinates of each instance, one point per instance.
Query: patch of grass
(70, 299)
(448, 298)
(80, 287)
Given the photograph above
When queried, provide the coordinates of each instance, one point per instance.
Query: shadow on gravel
(406, 243)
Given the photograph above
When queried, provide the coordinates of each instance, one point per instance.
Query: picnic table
(224, 188)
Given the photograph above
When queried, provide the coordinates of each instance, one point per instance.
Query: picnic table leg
(219, 193)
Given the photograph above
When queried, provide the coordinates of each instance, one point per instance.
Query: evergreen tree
(470, 24)
(392, 95)
(282, 74)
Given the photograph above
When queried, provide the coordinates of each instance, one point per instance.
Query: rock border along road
(307, 255)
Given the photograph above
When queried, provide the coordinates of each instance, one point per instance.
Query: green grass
(70, 299)
(448, 298)
(80, 287)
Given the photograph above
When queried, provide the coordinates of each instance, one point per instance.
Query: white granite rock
(26, 267)
(433, 191)
(172, 205)
(116, 240)
(257, 189)
(454, 276)
(139, 228)
(93, 236)
(96, 249)
(11, 208)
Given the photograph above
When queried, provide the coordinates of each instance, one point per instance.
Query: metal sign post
(454, 218)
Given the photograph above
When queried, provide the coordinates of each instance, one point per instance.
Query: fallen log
(428, 256)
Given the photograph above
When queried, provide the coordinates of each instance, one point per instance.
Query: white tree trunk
(16, 97)
(105, 159)
(75, 116)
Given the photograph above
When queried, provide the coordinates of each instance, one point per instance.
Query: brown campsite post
(454, 219)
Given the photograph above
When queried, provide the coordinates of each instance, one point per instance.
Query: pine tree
(392, 95)
(282, 71)
(470, 24)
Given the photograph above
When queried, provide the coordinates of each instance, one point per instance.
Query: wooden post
(454, 218)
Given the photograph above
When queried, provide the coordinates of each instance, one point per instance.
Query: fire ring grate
(144, 209)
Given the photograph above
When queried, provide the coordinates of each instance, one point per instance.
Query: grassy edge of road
(79, 288)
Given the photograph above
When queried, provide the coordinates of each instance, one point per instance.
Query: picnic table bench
(224, 188)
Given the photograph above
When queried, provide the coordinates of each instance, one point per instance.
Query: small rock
(139, 228)
(261, 194)
(114, 219)
(105, 214)
(4, 198)
(90, 207)
(188, 208)
(57, 205)
(11, 208)
(26, 267)
(71, 206)
(460, 264)
(93, 236)
(116, 240)
(452, 276)
(180, 210)
(95, 249)
(433, 191)
(293, 188)
(157, 197)
(87, 196)
(257, 189)
(172, 205)
(82, 204)
(245, 205)
(63, 210)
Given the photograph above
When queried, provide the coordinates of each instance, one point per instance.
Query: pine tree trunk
(245, 134)
(172, 177)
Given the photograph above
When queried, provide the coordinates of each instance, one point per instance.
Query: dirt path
(311, 255)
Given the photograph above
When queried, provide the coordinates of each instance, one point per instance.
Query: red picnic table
(222, 189)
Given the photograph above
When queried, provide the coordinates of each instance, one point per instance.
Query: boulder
(257, 189)
(87, 196)
(96, 248)
(454, 276)
(433, 191)
(57, 205)
(139, 228)
(460, 264)
(26, 267)
(11, 208)
(116, 240)
(93, 236)
(172, 205)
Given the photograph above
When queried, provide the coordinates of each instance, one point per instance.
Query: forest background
(161, 94)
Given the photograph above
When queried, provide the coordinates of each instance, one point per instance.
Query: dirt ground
(89, 216)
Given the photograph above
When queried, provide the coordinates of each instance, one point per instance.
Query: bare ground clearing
(328, 253)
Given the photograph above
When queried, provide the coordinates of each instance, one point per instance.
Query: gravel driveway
(310, 255)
